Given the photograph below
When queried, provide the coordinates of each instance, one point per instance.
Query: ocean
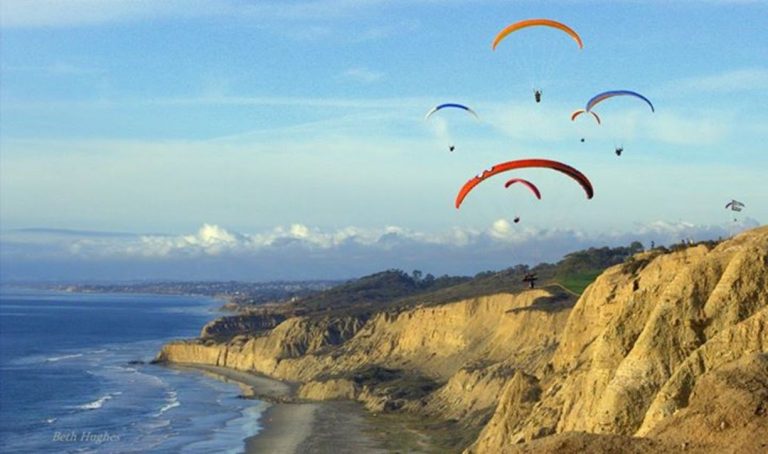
(75, 377)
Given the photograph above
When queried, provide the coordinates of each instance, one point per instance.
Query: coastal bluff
(666, 351)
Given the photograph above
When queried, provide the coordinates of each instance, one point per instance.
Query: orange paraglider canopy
(537, 22)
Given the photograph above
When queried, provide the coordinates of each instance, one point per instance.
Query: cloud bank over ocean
(299, 251)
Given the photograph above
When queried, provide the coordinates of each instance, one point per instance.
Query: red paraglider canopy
(522, 164)
(527, 183)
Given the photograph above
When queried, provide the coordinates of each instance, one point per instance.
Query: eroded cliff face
(641, 339)
(439, 341)
(474, 345)
(269, 352)
(635, 357)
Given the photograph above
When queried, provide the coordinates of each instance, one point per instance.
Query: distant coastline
(232, 294)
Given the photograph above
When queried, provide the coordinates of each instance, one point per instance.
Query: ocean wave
(151, 426)
(90, 355)
(98, 403)
(173, 402)
(59, 358)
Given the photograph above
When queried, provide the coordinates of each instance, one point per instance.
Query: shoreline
(259, 385)
(283, 426)
(288, 426)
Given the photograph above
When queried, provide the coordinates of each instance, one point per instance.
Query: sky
(260, 140)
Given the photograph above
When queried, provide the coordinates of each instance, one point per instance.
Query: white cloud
(738, 80)
(391, 29)
(395, 104)
(500, 229)
(546, 124)
(299, 251)
(669, 126)
(58, 13)
(361, 74)
(58, 69)
(214, 240)
(521, 122)
(67, 13)
(688, 130)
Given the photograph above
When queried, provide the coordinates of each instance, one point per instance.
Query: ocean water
(70, 380)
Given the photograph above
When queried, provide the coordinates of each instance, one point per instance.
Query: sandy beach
(251, 384)
(300, 427)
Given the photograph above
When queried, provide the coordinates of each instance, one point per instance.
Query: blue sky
(304, 120)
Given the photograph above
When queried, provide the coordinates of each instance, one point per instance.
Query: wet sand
(300, 427)
(341, 427)
(285, 428)
(254, 385)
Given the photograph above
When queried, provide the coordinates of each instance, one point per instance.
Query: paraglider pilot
(530, 278)
(619, 150)
(451, 147)
(537, 95)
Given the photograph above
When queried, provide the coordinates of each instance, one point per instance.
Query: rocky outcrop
(331, 389)
(224, 328)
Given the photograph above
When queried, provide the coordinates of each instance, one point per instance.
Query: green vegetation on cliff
(375, 291)
(398, 289)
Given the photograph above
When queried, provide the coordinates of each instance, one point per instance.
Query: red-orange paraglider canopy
(522, 164)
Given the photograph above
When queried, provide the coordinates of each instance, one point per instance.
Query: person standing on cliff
(530, 278)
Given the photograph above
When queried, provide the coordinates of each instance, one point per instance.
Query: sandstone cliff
(643, 340)
(450, 361)
(639, 355)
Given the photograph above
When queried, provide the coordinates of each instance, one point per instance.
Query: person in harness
(530, 278)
